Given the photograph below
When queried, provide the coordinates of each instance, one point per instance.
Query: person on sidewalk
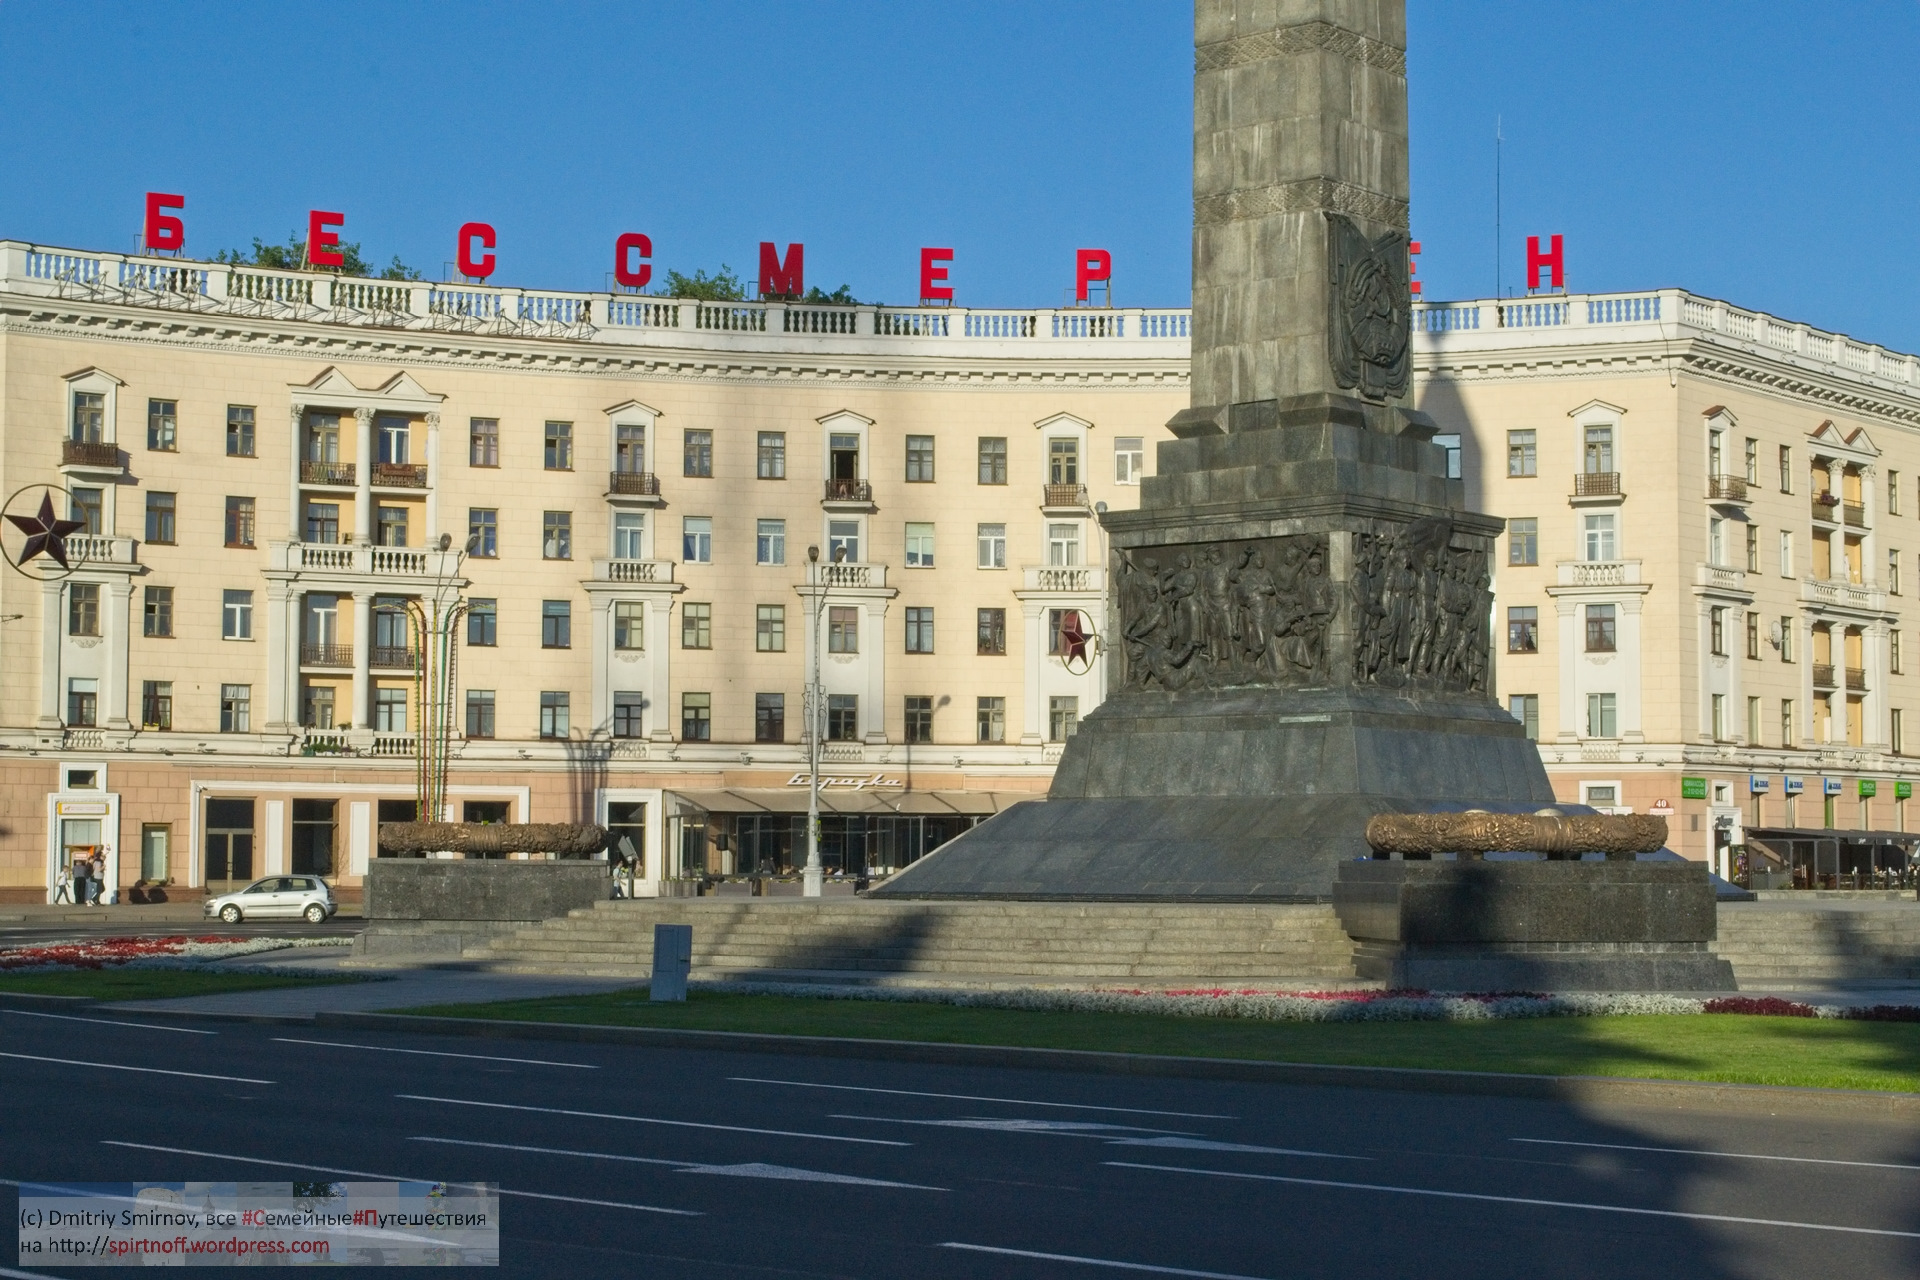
(97, 875)
(63, 887)
(80, 866)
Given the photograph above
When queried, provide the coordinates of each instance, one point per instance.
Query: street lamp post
(810, 880)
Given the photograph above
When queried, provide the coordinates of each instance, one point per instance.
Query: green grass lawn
(1727, 1047)
(150, 984)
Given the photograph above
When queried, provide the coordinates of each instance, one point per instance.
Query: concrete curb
(1608, 1090)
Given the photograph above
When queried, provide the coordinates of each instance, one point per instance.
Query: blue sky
(1760, 152)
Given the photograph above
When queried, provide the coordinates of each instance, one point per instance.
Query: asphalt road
(619, 1161)
(31, 934)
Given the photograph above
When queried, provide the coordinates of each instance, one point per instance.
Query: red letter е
(932, 272)
(323, 246)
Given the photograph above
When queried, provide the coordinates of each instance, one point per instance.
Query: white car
(276, 898)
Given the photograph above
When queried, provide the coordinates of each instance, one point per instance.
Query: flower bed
(1334, 1006)
(177, 951)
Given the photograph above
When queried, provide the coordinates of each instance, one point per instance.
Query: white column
(359, 836)
(363, 478)
(600, 703)
(874, 647)
(1630, 702)
(273, 838)
(296, 516)
(1570, 710)
(659, 718)
(1874, 659)
(1033, 653)
(433, 487)
(362, 713)
(283, 656)
(52, 607)
(113, 693)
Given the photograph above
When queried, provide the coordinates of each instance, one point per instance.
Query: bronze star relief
(45, 533)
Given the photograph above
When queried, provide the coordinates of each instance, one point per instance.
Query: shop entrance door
(80, 840)
(229, 846)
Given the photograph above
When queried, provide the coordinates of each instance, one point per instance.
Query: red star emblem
(45, 533)
(1073, 636)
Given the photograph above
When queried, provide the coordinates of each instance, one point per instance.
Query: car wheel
(230, 913)
(315, 913)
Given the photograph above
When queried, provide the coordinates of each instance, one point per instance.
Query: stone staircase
(1810, 944)
(949, 943)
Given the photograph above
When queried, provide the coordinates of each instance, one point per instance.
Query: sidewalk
(132, 915)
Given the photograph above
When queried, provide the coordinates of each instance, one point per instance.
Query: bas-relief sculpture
(1219, 614)
(1369, 307)
(1421, 609)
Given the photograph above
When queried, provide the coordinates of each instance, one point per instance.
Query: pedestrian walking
(80, 866)
(97, 874)
(63, 887)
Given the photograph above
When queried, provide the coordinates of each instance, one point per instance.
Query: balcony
(391, 657)
(90, 456)
(399, 475)
(1726, 489)
(1826, 507)
(336, 474)
(1081, 579)
(1857, 679)
(1599, 573)
(849, 493)
(633, 484)
(851, 575)
(1854, 513)
(99, 549)
(1721, 578)
(326, 655)
(1840, 593)
(1823, 675)
(1064, 498)
(638, 571)
(378, 562)
(1597, 486)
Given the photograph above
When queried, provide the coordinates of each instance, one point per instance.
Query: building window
(992, 627)
(1523, 629)
(1129, 459)
(919, 630)
(629, 535)
(626, 715)
(556, 624)
(1059, 645)
(843, 541)
(843, 629)
(993, 459)
(1525, 707)
(240, 522)
(1893, 572)
(770, 542)
(558, 454)
(1786, 638)
(1753, 548)
(1598, 458)
(160, 518)
(1716, 631)
(697, 455)
(1753, 461)
(483, 622)
(843, 717)
(390, 526)
(555, 712)
(156, 704)
(1600, 628)
(629, 625)
(843, 457)
(1753, 722)
(919, 718)
(990, 719)
(769, 717)
(1450, 441)
(323, 522)
(771, 463)
(83, 703)
(1893, 651)
(157, 611)
(696, 717)
(483, 446)
(696, 539)
(919, 459)
(394, 437)
(1600, 716)
(1786, 469)
(83, 609)
(1063, 460)
(1895, 738)
(1786, 722)
(239, 431)
(1786, 553)
(389, 710)
(1523, 541)
(236, 615)
(919, 546)
(1522, 459)
(1719, 717)
(556, 535)
(236, 708)
(1063, 544)
(1063, 718)
(483, 532)
(480, 713)
(770, 628)
(89, 417)
(1716, 542)
(1753, 635)
(1716, 454)
(87, 505)
(1599, 537)
(992, 540)
(1893, 493)
(696, 626)
(163, 426)
(629, 448)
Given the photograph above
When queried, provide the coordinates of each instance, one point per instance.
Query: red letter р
(1550, 260)
(164, 232)
(1090, 266)
(1413, 251)
(322, 244)
(781, 279)
(931, 290)
(479, 268)
(623, 250)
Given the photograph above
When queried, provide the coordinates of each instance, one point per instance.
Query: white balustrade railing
(633, 570)
(406, 562)
(1087, 579)
(372, 295)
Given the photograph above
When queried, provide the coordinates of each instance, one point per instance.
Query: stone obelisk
(1302, 607)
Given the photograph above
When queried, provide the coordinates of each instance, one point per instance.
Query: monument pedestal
(1532, 926)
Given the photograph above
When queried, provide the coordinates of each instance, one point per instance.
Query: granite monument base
(1532, 925)
(1234, 795)
(439, 906)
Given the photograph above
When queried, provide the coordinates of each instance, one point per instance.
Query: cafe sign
(846, 783)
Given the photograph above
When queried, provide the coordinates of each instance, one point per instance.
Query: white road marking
(11, 1274)
(1546, 1204)
(968, 1097)
(1098, 1262)
(436, 1053)
(678, 1124)
(1074, 1128)
(152, 1071)
(108, 1022)
(1724, 1155)
(394, 1177)
(689, 1166)
(1201, 1144)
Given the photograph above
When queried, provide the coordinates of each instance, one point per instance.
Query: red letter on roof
(322, 244)
(1090, 266)
(931, 290)
(163, 232)
(623, 250)
(781, 279)
(482, 267)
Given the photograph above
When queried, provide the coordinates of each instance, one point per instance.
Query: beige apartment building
(1699, 595)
